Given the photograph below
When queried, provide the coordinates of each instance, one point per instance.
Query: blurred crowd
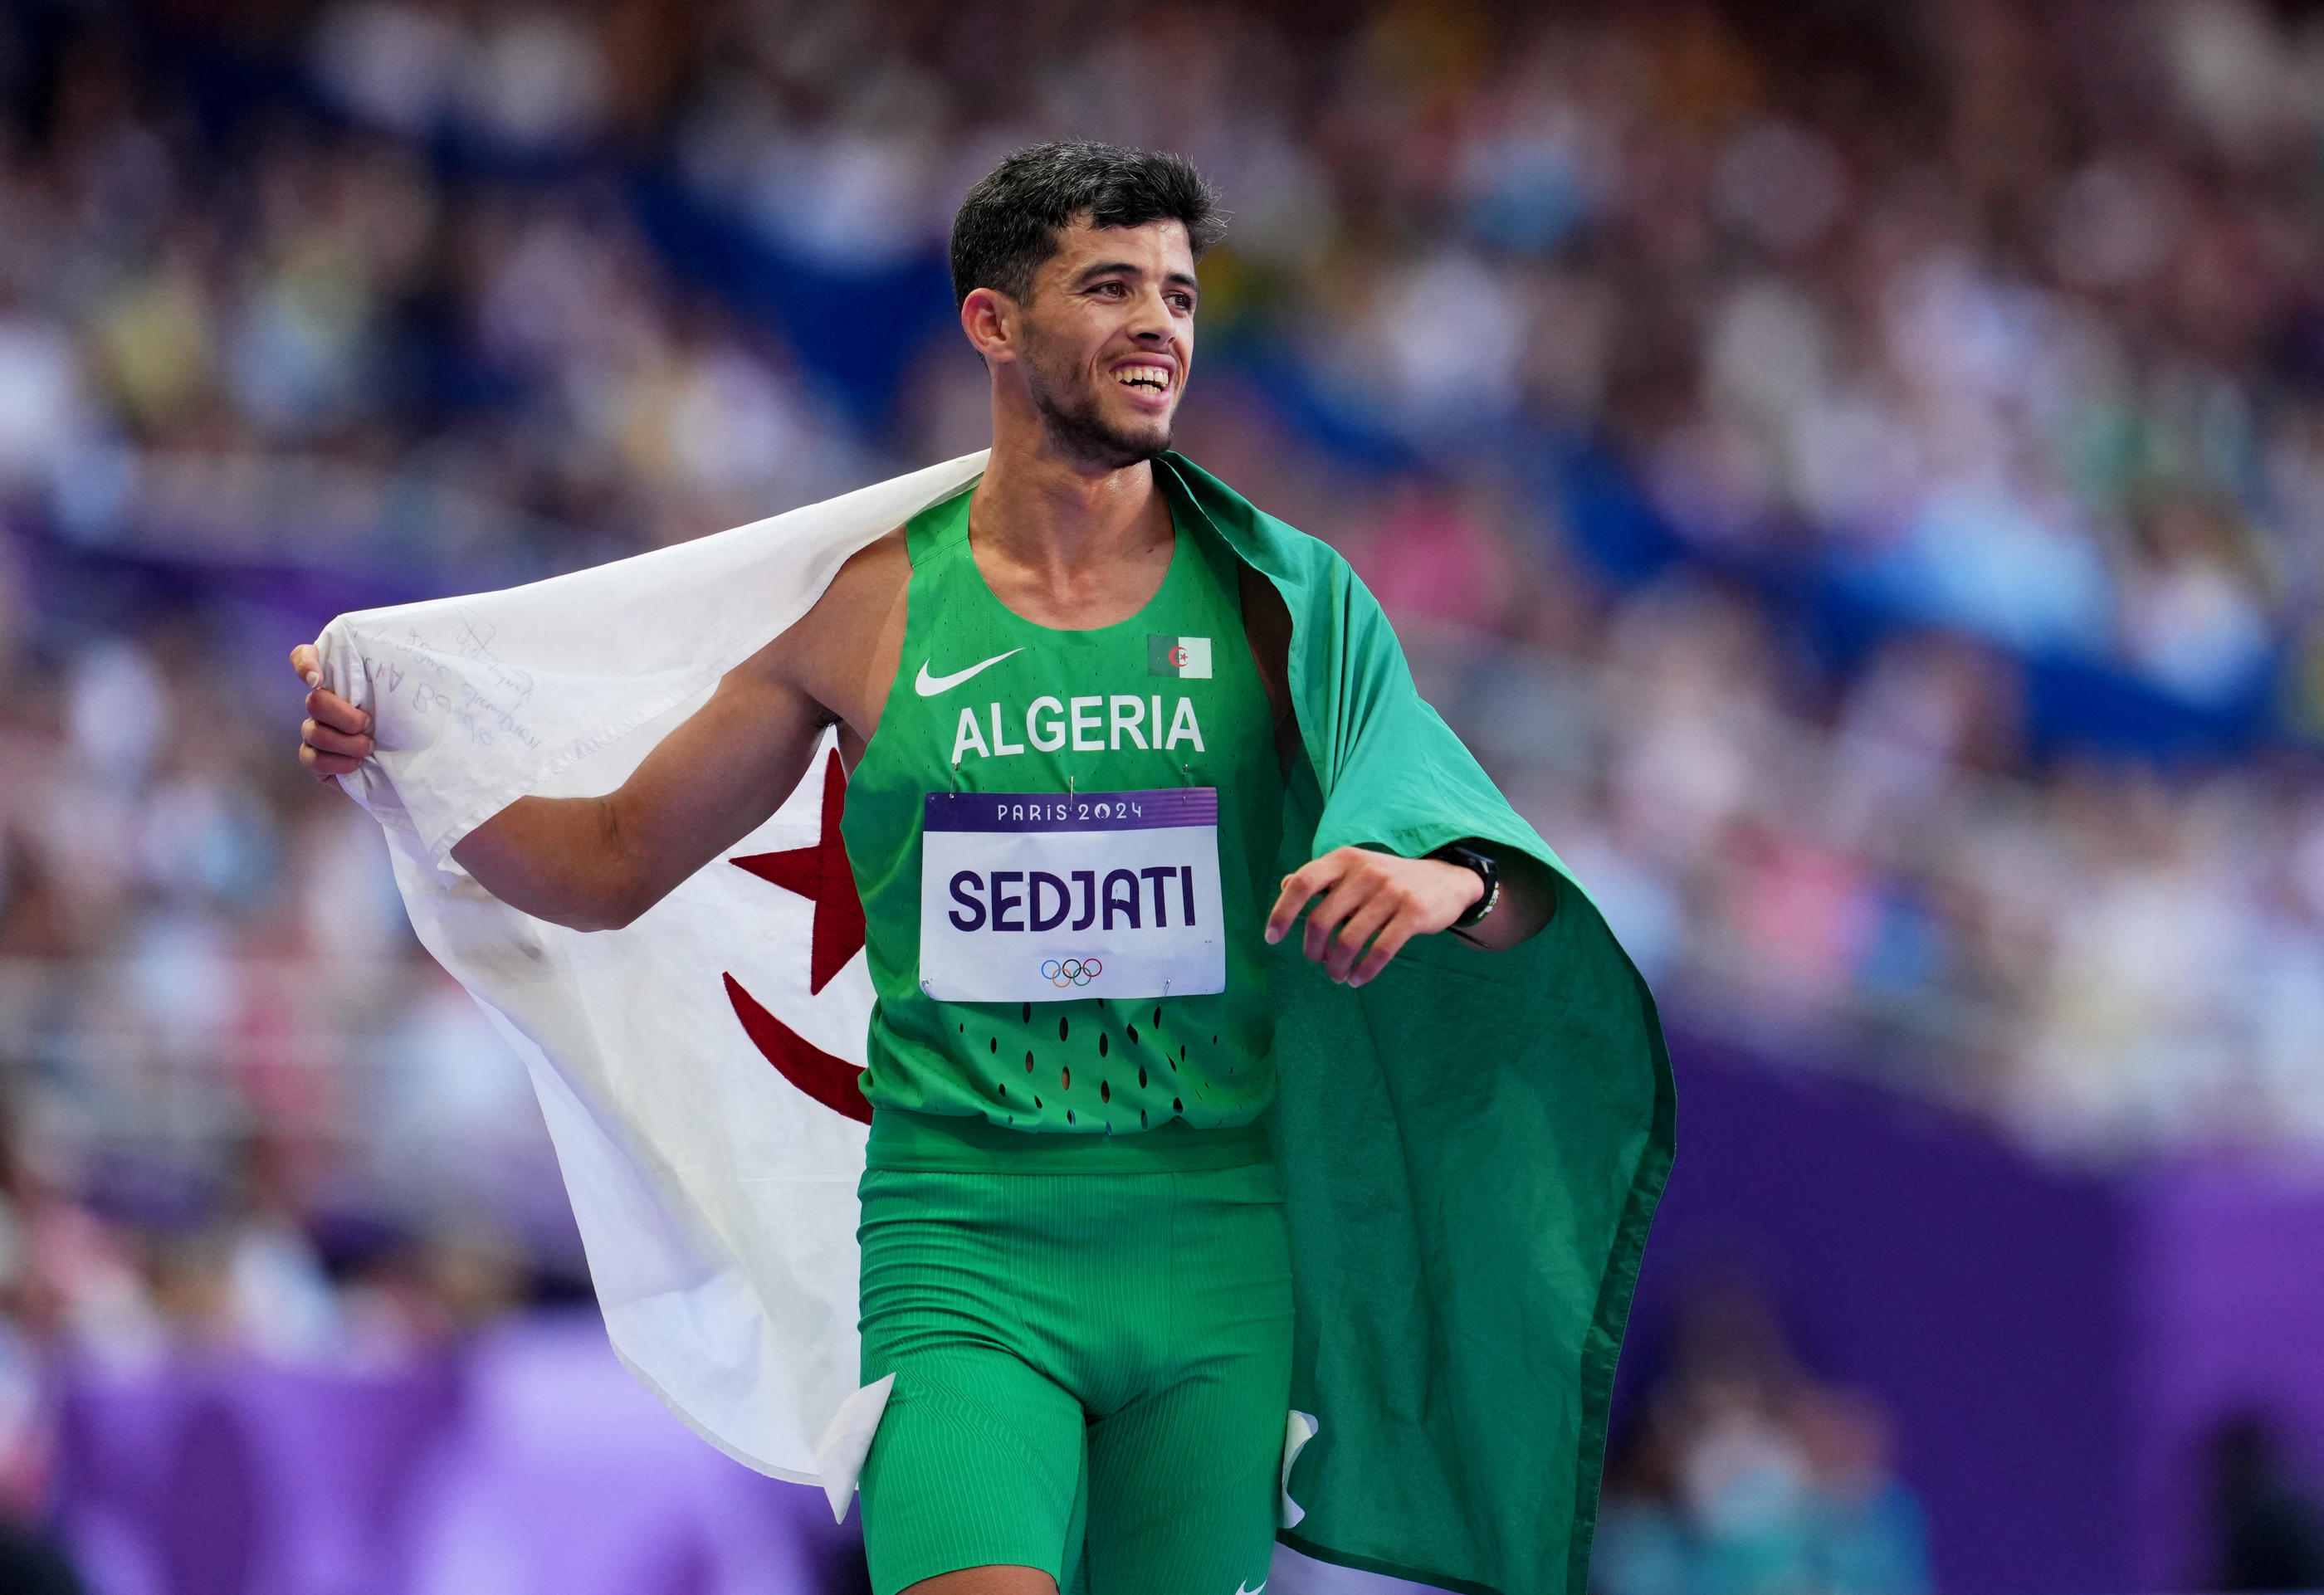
(1743, 1476)
(2007, 321)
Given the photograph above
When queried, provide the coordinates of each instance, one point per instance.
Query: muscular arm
(597, 863)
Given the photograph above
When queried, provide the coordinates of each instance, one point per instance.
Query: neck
(1045, 511)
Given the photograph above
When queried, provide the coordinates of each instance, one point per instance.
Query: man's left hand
(1368, 896)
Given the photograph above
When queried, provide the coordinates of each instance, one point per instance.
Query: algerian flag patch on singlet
(1186, 658)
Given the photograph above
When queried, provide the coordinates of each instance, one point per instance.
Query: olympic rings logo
(1071, 971)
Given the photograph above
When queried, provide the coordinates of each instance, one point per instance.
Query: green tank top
(1087, 761)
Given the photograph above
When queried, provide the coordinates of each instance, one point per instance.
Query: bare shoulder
(842, 651)
(874, 575)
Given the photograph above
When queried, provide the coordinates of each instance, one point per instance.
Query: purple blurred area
(2056, 1350)
(1854, 472)
(528, 1464)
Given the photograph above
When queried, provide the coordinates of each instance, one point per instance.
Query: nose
(1150, 320)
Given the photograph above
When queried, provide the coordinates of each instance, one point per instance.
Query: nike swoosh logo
(928, 685)
(1241, 1591)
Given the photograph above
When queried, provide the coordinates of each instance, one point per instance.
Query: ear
(988, 318)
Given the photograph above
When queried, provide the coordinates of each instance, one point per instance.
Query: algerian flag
(1471, 1146)
(1186, 658)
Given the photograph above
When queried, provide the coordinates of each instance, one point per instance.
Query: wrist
(1488, 877)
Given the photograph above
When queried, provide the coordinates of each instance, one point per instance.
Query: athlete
(1074, 1258)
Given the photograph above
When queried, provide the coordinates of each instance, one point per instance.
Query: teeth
(1144, 376)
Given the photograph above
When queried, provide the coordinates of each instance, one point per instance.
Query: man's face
(1109, 337)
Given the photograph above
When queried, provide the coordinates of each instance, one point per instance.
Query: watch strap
(1486, 871)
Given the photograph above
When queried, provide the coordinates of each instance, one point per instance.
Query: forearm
(1372, 902)
(559, 859)
(597, 863)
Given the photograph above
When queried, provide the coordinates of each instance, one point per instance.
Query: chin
(1141, 429)
(1136, 449)
(1115, 442)
(1147, 441)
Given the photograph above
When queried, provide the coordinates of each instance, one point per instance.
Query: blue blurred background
(1853, 470)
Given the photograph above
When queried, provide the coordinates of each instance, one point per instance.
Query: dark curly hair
(1009, 223)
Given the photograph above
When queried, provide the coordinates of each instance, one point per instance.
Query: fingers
(1385, 947)
(325, 707)
(336, 735)
(1371, 916)
(325, 767)
(1301, 888)
(1362, 899)
(328, 709)
(1353, 890)
(328, 753)
(324, 738)
(1363, 907)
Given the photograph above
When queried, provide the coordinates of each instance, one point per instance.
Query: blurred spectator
(1746, 1476)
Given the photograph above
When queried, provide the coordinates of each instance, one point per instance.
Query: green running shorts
(1092, 1368)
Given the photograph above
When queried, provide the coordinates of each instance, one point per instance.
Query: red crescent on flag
(822, 875)
(831, 1081)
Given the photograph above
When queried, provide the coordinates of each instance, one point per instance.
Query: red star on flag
(822, 875)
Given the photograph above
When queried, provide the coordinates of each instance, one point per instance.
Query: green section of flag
(1188, 658)
(1471, 1146)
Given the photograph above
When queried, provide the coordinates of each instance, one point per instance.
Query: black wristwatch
(1488, 871)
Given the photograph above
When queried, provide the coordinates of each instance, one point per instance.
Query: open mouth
(1153, 379)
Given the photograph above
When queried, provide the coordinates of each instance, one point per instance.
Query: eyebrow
(1089, 274)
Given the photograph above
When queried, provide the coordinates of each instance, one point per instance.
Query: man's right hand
(336, 735)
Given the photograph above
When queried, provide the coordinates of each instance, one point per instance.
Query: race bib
(1042, 897)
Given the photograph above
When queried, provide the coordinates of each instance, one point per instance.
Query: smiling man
(1093, 709)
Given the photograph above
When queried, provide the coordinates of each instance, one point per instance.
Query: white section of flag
(1196, 655)
(717, 1202)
